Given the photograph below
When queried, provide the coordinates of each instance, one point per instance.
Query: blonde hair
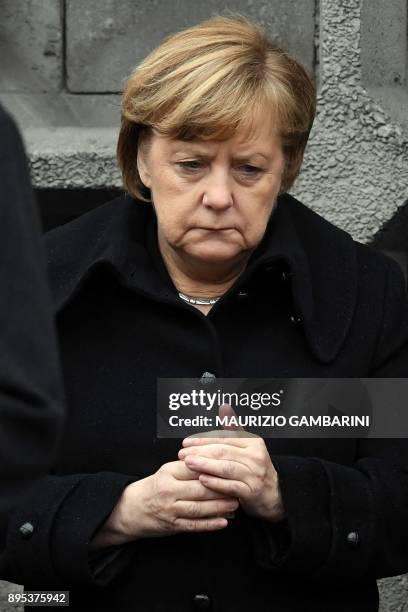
(208, 81)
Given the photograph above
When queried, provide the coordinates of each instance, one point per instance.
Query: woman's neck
(201, 279)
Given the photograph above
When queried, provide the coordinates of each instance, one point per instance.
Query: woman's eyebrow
(197, 150)
(243, 156)
(191, 148)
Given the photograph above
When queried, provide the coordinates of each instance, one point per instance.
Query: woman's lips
(216, 229)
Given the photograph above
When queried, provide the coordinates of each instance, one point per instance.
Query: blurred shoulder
(11, 142)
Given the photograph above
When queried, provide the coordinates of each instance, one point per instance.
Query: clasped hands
(197, 492)
(237, 468)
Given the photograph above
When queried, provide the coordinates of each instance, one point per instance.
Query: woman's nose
(218, 193)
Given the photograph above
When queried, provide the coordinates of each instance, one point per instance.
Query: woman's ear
(142, 166)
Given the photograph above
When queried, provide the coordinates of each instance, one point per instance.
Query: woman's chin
(216, 253)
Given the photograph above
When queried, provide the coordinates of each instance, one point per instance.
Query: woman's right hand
(170, 501)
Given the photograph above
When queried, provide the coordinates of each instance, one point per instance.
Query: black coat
(31, 399)
(121, 326)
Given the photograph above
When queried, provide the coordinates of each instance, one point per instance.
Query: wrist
(119, 528)
(277, 513)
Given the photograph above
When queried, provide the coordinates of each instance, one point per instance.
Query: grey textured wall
(62, 64)
(356, 171)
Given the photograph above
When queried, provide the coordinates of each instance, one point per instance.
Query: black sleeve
(49, 534)
(31, 400)
(344, 523)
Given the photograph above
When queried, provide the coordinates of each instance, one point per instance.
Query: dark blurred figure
(31, 404)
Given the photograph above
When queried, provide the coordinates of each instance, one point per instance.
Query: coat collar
(319, 259)
(322, 264)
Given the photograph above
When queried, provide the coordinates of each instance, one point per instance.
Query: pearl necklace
(198, 300)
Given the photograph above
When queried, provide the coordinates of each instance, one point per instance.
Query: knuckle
(261, 472)
(257, 487)
(210, 494)
(164, 469)
(162, 486)
(191, 526)
(219, 452)
(173, 521)
(201, 492)
(193, 509)
(259, 456)
(162, 493)
(226, 470)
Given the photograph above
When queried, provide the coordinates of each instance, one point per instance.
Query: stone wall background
(63, 62)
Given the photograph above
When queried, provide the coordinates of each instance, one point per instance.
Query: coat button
(201, 602)
(353, 538)
(207, 377)
(26, 530)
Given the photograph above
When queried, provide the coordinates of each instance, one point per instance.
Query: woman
(209, 269)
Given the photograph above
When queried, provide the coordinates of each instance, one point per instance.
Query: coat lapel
(322, 261)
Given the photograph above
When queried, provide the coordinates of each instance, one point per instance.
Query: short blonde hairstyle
(208, 81)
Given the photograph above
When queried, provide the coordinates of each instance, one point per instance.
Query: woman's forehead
(244, 142)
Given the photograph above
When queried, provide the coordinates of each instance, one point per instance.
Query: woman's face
(213, 199)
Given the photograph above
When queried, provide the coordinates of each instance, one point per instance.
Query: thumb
(227, 431)
(227, 411)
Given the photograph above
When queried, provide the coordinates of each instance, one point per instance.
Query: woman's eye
(190, 165)
(196, 165)
(250, 170)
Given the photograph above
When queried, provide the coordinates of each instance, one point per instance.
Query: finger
(218, 451)
(191, 441)
(204, 509)
(180, 470)
(206, 524)
(232, 488)
(218, 467)
(195, 490)
(226, 410)
(254, 457)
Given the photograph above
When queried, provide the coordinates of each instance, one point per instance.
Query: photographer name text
(279, 420)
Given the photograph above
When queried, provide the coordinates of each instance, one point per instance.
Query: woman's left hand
(238, 467)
